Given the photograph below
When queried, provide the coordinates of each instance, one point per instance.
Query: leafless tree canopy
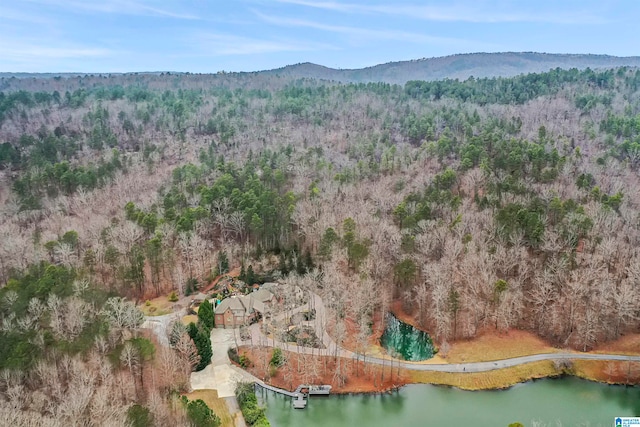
(488, 203)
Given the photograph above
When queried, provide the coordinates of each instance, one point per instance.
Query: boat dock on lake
(301, 393)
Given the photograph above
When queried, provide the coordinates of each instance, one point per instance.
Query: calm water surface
(571, 401)
(403, 341)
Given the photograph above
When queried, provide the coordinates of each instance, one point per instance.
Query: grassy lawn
(493, 345)
(190, 318)
(629, 344)
(615, 372)
(157, 306)
(501, 378)
(217, 405)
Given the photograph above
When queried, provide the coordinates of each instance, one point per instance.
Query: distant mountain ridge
(460, 66)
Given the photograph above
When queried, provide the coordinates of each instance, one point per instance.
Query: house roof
(245, 304)
(270, 286)
(234, 303)
(258, 306)
(262, 295)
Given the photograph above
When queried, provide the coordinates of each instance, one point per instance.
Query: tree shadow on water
(628, 397)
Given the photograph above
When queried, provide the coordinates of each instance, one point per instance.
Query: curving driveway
(503, 363)
(332, 349)
(226, 339)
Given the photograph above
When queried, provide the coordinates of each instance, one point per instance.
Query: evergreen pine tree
(243, 274)
(300, 268)
(201, 415)
(308, 261)
(251, 277)
(202, 340)
(206, 316)
(223, 263)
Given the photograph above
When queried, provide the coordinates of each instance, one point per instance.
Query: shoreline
(493, 359)
(397, 388)
(369, 378)
(552, 377)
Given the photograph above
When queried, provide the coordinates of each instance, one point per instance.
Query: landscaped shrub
(200, 414)
(276, 358)
(252, 413)
(304, 336)
(244, 361)
(240, 359)
(233, 355)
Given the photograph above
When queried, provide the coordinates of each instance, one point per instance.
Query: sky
(207, 36)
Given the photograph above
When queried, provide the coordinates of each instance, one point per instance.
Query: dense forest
(485, 203)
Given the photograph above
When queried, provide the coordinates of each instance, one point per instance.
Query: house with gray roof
(235, 311)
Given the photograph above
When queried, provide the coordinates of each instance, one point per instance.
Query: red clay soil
(213, 284)
(360, 378)
(402, 315)
(350, 342)
(351, 328)
(233, 273)
(628, 344)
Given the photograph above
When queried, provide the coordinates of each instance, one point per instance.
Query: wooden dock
(322, 390)
(300, 402)
(275, 389)
(301, 393)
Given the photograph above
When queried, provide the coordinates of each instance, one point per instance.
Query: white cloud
(328, 5)
(9, 14)
(492, 13)
(227, 44)
(361, 33)
(21, 55)
(122, 7)
(32, 51)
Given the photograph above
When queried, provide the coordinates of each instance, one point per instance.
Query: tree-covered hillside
(459, 66)
(485, 203)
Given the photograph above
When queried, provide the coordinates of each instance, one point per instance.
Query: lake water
(570, 401)
(403, 341)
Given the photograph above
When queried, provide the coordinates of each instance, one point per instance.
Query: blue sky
(248, 35)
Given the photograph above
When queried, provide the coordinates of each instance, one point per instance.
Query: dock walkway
(299, 396)
(314, 389)
(277, 390)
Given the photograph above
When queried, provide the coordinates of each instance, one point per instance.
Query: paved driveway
(220, 375)
(159, 324)
(257, 337)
